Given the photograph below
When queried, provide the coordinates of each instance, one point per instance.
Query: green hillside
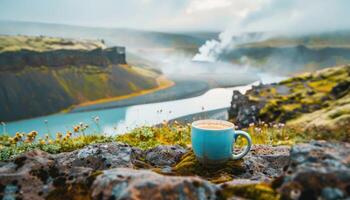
(41, 43)
(32, 91)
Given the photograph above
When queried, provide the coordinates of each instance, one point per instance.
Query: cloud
(202, 5)
(186, 15)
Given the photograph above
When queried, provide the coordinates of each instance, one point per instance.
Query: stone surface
(98, 156)
(265, 162)
(162, 156)
(317, 170)
(242, 110)
(124, 183)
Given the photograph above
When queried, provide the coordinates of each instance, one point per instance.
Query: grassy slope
(43, 90)
(309, 102)
(39, 43)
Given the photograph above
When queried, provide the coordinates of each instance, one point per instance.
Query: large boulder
(262, 163)
(317, 170)
(98, 156)
(125, 183)
(242, 110)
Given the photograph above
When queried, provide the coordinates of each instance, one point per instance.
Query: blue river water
(120, 120)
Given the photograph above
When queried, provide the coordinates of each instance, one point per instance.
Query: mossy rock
(189, 166)
(261, 191)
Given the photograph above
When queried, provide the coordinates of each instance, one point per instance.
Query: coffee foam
(213, 125)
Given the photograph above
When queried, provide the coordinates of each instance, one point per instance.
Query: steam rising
(212, 49)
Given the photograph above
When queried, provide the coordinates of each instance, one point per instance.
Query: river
(120, 120)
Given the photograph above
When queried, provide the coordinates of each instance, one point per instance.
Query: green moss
(324, 86)
(338, 113)
(253, 191)
(148, 137)
(190, 166)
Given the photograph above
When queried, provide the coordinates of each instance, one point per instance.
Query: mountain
(112, 36)
(290, 54)
(44, 75)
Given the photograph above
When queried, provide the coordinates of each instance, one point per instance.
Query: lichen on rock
(190, 166)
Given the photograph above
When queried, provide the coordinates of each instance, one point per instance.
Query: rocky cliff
(40, 75)
(314, 102)
(17, 60)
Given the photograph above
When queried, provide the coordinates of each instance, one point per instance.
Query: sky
(186, 15)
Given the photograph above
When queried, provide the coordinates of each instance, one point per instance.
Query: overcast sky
(186, 15)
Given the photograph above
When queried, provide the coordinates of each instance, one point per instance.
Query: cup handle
(247, 148)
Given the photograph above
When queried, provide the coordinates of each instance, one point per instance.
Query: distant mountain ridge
(113, 36)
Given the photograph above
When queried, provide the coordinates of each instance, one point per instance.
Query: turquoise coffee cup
(215, 145)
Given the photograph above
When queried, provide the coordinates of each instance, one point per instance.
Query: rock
(28, 176)
(318, 169)
(263, 163)
(98, 156)
(15, 60)
(242, 110)
(124, 183)
(341, 89)
(162, 156)
(39, 175)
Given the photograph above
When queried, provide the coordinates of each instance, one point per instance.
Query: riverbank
(162, 82)
(172, 90)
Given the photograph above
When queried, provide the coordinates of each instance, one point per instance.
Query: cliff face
(16, 60)
(313, 102)
(40, 91)
(44, 75)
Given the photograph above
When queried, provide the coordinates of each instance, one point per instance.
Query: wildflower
(280, 125)
(50, 141)
(42, 142)
(68, 134)
(14, 140)
(251, 124)
(258, 130)
(176, 122)
(76, 128)
(164, 122)
(32, 134)
(18, 134)
(58, 135)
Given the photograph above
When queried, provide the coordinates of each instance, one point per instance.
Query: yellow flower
(42, 142)
(58, 135)
(76, 128)
(68, 134)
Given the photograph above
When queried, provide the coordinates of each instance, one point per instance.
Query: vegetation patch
(190, 166)
(260, 191)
